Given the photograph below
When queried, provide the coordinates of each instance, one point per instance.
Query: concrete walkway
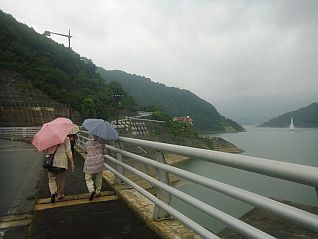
(75, 216)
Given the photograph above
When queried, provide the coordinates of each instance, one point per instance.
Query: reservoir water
(299, 146)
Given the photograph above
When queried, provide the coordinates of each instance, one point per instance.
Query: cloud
(223, 51)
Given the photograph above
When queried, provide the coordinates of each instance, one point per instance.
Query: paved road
(20, 170)
(22, 180)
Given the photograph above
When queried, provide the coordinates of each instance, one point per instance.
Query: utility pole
(116, 98)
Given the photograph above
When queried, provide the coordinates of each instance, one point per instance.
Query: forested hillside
(306, 117)
(60, 72)
(174, 101)
(68, 78)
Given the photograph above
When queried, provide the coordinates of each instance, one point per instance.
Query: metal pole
(116, 98)
(163, 176)
(117, 114)
(69, 38)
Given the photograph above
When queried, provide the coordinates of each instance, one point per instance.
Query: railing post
(24, 132)
(163, 176)
(119, 169)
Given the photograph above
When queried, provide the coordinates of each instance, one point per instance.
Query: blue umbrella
(100, 128)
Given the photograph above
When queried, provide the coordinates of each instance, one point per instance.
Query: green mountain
(306, 117)
(68, 78)
(173, 101)
(59, 72)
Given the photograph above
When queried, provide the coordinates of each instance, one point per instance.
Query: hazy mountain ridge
(305, 117)
(174, 101)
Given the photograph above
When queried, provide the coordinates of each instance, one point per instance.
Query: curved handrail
(293, 172)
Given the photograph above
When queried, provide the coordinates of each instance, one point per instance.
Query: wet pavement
(20, 170)
(97, 219)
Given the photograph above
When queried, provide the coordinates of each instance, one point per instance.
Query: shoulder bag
(48, 160)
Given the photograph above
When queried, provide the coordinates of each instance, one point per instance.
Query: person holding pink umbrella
(52, 138)
(57, 174)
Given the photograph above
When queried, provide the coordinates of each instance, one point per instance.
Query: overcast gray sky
(250, 59)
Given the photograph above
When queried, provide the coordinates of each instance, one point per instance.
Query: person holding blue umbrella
(94, 165)
(99, 130)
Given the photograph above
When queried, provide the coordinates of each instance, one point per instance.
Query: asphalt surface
(20, 170)
(107, 220)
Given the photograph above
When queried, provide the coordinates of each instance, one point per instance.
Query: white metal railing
(293, 172)
(25, 132)
(288, 171)
(146, 120)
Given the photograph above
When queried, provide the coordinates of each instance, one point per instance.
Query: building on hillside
(186, 119)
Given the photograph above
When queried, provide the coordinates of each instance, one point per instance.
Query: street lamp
(116, 98)
(48, 33)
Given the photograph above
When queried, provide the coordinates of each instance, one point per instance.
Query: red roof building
(186, 119)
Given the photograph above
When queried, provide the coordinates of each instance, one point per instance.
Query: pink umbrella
(52, 133)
